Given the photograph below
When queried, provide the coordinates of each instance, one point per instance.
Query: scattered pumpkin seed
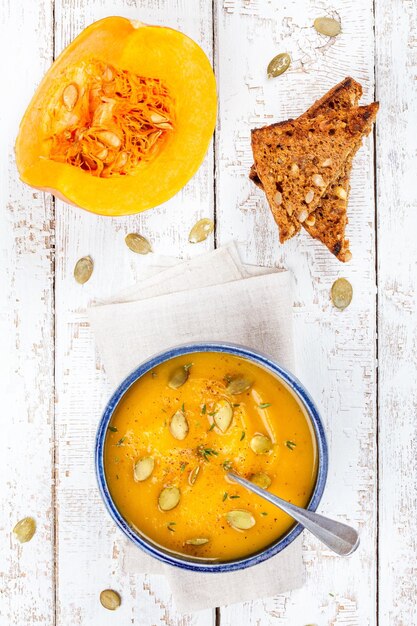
(341, 293)
(241, 520)
(197, 541)
(143, 468)
(193, 475)
(169, 498)
(238, 385)
(83, 269)
(279, 64)
(137, 243)
(179, 376)
(262, 480)
(261, 444)
(201, 230)
(178, 425)
(327, 26)
(223, 415)
(25, 529)
(110, 599)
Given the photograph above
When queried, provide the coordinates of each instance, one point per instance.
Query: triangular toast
(297, 161)
(344, 95)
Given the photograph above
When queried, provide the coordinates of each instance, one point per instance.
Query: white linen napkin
(211, 297)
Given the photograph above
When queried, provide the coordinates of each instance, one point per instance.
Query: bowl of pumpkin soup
(174, 428)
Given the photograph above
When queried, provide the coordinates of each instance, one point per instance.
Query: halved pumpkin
(122, 120)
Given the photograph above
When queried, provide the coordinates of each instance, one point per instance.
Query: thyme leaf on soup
(234, 497)
(290, 445)
(203, 409)
(243, 435)
(171, 525)
(264, 513)
(264, 405)
(206, 453)
(121, 440)
(183, 466)
(113, 429)
(211, 427)
(224, 496)
(227, 465)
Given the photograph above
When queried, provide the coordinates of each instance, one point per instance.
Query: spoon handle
(339, 537)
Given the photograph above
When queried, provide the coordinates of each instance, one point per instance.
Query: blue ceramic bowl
(180, 560)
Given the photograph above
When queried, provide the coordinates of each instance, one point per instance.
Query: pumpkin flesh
(122, 120)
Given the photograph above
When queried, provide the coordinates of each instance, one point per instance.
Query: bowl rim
(258, 358)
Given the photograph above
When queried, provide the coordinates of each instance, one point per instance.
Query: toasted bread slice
(344, 95)
(296, 161)
(328, 222)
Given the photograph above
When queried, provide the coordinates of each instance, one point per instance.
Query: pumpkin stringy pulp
(108, 121)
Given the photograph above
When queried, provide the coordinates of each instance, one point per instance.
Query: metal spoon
(340, 538)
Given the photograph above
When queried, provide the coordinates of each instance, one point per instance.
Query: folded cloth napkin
(213, 297)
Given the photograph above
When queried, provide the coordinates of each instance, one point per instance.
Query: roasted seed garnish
(262, 480)
(223, 415)
(178, 425)
(110, 599)
(201, 230)
(197, 541)
(278, 65)
(192, 477)
(327, 26)
(169, 498)
(137, 243)
(238, 385)
(341, 293)
(143, 468)
(25, 529)
(241, 520)
(261, 444)
(265, 405)
(179, 376)
(83, 269)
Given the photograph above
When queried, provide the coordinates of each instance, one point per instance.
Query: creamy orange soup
(177, 431)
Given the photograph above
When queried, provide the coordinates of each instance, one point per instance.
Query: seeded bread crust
(297, 161)
(328, 222)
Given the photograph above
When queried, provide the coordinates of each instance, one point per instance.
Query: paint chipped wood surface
(56, 579)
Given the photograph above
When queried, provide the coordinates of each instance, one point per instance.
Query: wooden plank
(26, 332)
(396, 144)
(90, 549)
(335, 350)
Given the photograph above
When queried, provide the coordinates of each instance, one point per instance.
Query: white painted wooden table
(52, 382)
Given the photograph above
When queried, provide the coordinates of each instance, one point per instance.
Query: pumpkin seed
(143, 468)
(70, 96)
(25, 529)
(197, 541)
(201, 230)
(110, 599)
(109, 138)
(83, 269)
(241, 520)
(137, 243)
(327, 26)
(278, 65)
(261, 444)
(178, 425)
(169, 498)
(341, 293)
(238, 385)
(262, 480)
(179, 376)
(223, 415)
(193, 475)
